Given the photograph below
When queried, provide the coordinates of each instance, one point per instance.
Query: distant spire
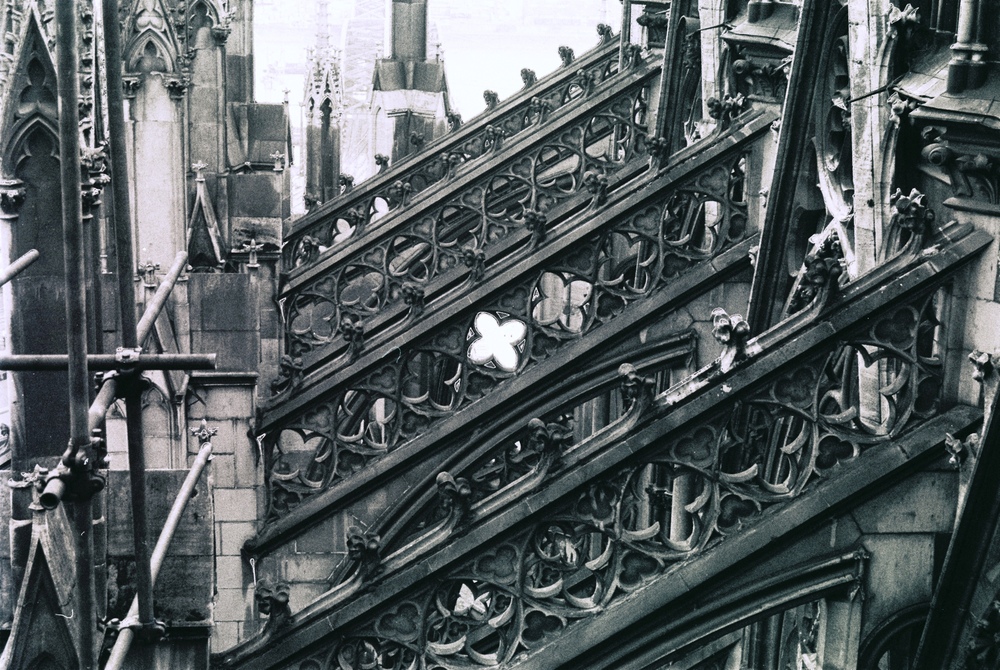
(322, 25)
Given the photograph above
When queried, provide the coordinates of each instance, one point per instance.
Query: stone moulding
(425, 168)
(777, 432)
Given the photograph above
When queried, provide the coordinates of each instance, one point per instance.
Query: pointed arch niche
(155, 165)
(207, 95)
(31, 157)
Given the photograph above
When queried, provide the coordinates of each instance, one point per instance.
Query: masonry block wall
(226, 320)
(184, 588)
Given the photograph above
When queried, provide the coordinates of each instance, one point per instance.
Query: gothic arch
(32, 99)
(148, 45)
(212, 11)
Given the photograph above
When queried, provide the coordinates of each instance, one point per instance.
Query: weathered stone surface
(193, 536)
(900, 575)
(925, 503)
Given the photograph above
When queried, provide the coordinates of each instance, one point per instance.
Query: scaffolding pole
(126, 635)
(77, 456)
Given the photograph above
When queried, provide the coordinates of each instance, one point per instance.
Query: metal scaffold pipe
(126, 635)
(18, 266)
(106, 395)
(106, 362)
(77, 457)
(126, 307)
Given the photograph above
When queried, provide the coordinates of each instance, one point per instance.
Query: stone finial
(727, 109)
(550, 438)
(279, 161)
(199, 169)
(899, 17)
(272, 601)
(454, 121)
(353, 330)
(959, 450)
(820, 274)
(529, 77)
(983, 363)
(492, 99)
(290, 373)
(605, 32)
(732, 332)
(413, 296)
(365, 548)
(12, 193)
(596, 184)
(203, 432)
(566, 55)
(910, 225)
(147, 271)
(454, 493)
(382, 161)
(494, 137)
(634, 387)
(474, 259)
(250, 248)
(535, 220)
(538, 109)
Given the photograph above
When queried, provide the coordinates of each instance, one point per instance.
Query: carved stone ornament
(12, 194)
(528, 77)
(732, 332)
(983, 363)
(605, 32)
(177, 86)
(131, 86)
(491, 98)
(910, 226)
(655, 22)
(272, 601)
(566, 55)
(762, 78)
(454, 493)
(727, 109)
(819, 277)
(289, 375)
(984, 646)
(635, 387)
(535, 221)
(353, 331)
(960, 450)
(364, 549)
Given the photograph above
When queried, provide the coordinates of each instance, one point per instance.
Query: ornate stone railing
(838, 390)
(662, 239)
(377, 286)
(359, 209)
